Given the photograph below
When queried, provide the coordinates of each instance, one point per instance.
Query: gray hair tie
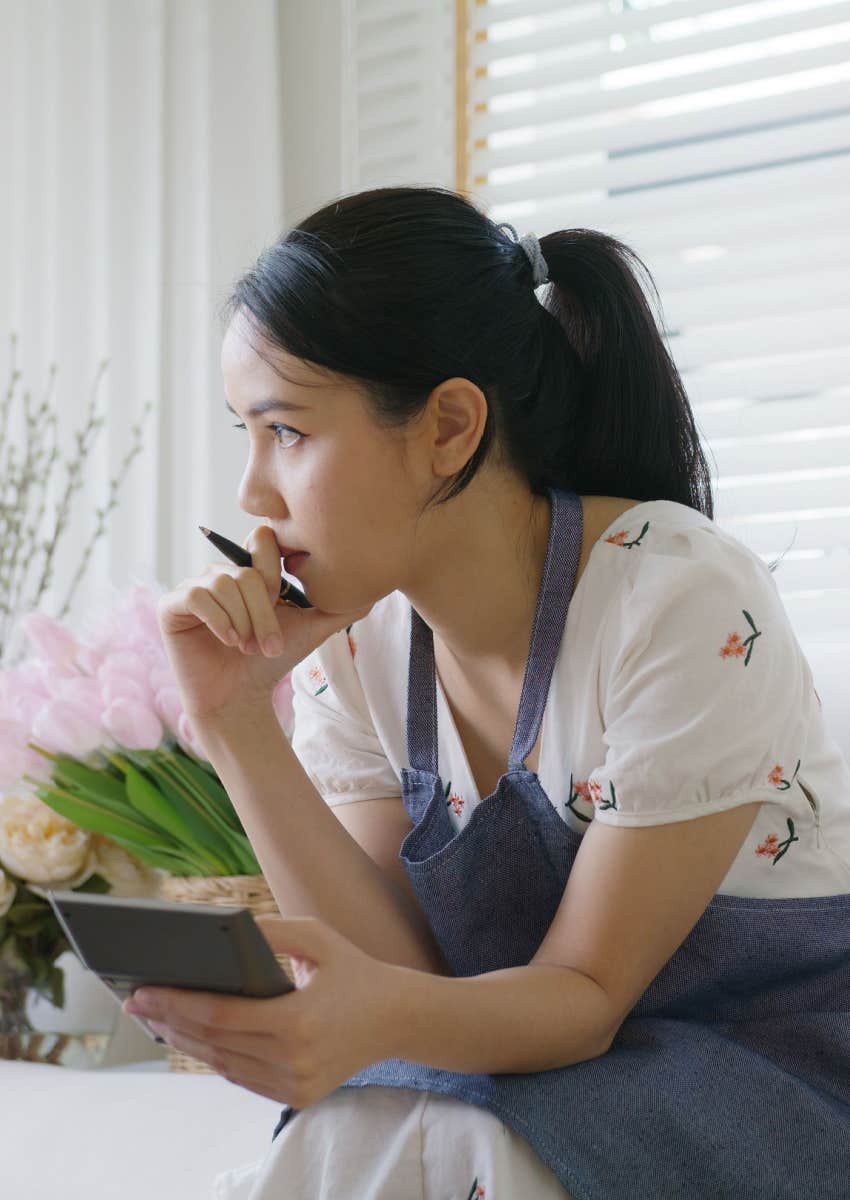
(531, 246)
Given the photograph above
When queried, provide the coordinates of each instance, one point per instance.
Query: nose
(257, 495)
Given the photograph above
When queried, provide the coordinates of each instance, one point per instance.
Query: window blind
(714, 139)
(398, 93)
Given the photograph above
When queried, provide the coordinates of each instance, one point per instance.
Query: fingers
(243, 594)
(261, 544)
(200, 602)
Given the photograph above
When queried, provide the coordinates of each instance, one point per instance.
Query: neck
(478, 569)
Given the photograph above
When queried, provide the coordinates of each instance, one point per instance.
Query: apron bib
(729, 1077)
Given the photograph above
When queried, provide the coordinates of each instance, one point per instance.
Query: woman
(580, 926)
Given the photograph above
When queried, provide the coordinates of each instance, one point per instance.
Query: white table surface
(127, 1132)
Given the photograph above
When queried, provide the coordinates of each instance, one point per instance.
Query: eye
(277, 429)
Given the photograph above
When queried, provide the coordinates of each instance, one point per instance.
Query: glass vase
(32, 1029)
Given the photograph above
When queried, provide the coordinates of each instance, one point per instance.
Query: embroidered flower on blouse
(579, 791)
(457, 802)
(319, 678)
(352, 645)
(477, 1191)
(772, 848)
(619, 539)
(776, 779)
(735, 644)
(597, 798)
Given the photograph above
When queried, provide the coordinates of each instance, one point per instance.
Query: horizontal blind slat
(714, 140)
(542, 57)
(746, 151)
(595, 20)
(544, 128)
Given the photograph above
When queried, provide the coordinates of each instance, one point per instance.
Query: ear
(458, 412)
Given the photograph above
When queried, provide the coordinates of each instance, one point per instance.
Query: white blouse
(680, 689)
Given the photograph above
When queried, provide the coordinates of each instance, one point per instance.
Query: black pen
(242, 558)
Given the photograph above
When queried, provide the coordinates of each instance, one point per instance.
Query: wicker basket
(246, 891)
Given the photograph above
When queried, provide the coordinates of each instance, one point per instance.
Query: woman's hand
(297, 1048)
(215, 628)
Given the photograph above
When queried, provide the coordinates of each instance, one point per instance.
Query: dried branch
(24, 486)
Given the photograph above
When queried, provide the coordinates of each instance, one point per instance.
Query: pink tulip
(90, 658)
(85, 693)
(23, 692)
(16, 761)
(126, 664)
(188, 739)
(133, 725)
(52, 642)
(26, 676)
(143, 603)
(114, 688)
(52, 675)
(160, 676)
(169, 707)
(65, 728)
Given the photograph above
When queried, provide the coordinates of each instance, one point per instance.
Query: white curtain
(141, 171)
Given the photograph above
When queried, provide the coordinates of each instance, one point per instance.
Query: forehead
(246, 353)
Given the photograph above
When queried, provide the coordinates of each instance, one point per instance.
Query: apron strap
(550, 618)
(421, 697)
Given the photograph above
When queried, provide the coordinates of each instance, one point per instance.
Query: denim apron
(731, 1075)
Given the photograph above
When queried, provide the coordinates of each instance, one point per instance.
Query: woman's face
(322, 474)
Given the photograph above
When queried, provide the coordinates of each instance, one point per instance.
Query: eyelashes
(277, 428)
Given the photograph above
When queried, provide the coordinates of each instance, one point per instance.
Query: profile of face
(323, 474)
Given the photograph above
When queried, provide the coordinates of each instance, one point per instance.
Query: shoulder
(381, 639)
(664, 539)
(675, 569)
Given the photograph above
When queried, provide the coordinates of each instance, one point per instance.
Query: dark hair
(403, 287)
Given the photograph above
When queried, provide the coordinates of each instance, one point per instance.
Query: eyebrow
(269, 405)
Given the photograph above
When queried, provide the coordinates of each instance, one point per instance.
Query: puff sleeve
(333, 734)
(707, 695)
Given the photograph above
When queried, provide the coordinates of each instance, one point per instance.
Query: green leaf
(208, 782)
(207, 828)
(95, 884)
(26, 929)
(56, 985)
(174, 862)
(238, 847)
(148, 800)
(93, 819)
(101, 783)
(112, 799)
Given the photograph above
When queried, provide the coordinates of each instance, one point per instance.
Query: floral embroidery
(476, 1192)
(596, 795)
(734, 647)
(776, 779)
(581, 790)
(618, 539)
(457, 802)
(352, 645)
(773, 848)
(318, 676)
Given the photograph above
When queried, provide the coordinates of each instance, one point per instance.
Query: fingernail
(273, 644)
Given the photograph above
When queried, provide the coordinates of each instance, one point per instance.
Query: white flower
(7, 893)
(41, 847)
(125, 873)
